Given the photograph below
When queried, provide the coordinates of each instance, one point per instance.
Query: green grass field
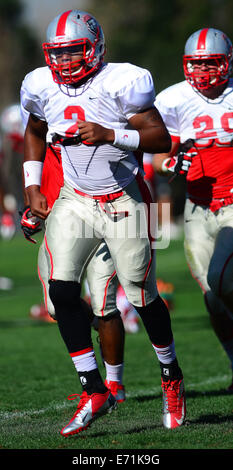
(37, 374)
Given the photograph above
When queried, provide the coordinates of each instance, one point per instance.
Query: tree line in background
(152, 33)
(19, 51)
(148, 33)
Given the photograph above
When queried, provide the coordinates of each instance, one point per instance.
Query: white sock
(114, 373)
(84, 362)
(165, 354)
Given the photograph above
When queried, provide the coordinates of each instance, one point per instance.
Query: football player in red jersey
(198, 113)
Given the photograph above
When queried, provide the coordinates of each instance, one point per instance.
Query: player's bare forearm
(35, 140)
(154, 136)
(29, 195)
(34, 150)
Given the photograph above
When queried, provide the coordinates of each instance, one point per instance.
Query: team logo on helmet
(91, 24)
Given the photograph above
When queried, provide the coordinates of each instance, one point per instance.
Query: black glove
(180, 163)
(30, 224)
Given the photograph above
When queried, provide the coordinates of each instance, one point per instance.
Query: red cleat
(117, 390)
(174, 405)
(90, 407)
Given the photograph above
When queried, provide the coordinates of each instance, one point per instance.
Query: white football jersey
(110, 98)
(189, 115)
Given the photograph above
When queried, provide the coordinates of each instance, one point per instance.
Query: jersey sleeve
(139, 96)
(131, 88)
(24, 115)
(30, 99)
(168, 113)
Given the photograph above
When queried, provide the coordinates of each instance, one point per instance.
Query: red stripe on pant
(50, 257)
(44, 289)
(105, 292)
(147, 199)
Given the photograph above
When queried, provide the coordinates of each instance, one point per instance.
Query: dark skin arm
(154, 137)
(160, 157)
(34, 150)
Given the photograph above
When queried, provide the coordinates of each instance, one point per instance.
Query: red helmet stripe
(201, 43)
(61, 26)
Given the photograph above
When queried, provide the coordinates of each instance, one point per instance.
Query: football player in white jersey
(100, 113)
(198, 113)
(101, 278)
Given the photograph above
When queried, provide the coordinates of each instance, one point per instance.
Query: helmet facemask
(206, 71)
(207, 59)
(71, 61)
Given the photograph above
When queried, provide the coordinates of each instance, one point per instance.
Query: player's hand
(92, 133)
(29, 224)
(179, 164)
(38, 202)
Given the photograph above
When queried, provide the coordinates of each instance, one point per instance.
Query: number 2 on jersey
(69, 113)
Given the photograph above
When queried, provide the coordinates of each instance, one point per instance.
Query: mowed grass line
(37, 374)
(140, 395)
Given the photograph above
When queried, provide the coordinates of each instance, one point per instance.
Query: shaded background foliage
(152, 33)
(19, 50)
(149, 33)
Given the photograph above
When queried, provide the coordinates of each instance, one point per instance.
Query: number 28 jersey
(189, 115)
(110, 98)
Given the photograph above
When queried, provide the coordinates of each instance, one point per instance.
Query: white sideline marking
(140, 393)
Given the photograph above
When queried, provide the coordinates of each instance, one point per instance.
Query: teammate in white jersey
(100, 113)
(101, 278)
(198, 113)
